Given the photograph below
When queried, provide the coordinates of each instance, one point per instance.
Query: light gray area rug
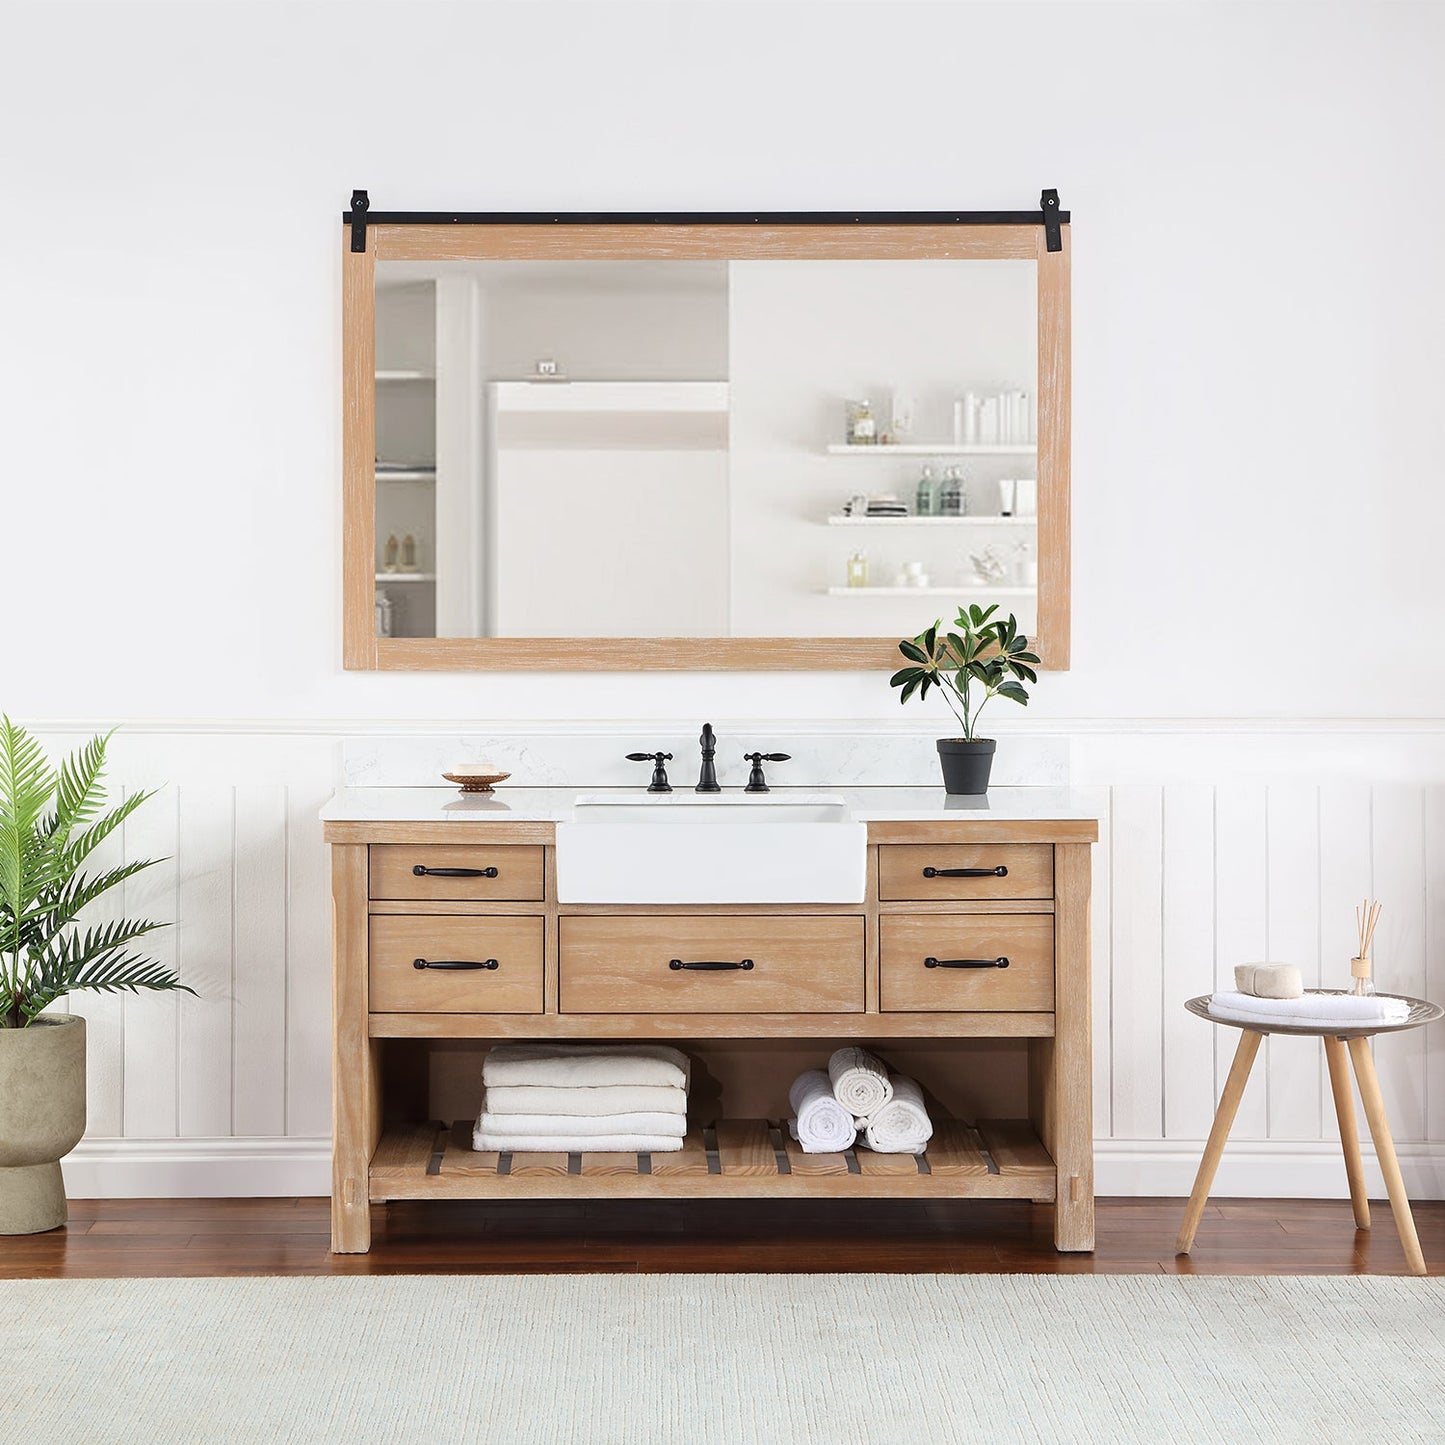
(735, 1358)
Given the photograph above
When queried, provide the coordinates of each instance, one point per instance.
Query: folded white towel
(1313, 1010)
(575, 1143)
(585, 1065)
(820, 1124)
(611, 1099)
(902, 1125)
(1269, 980)
(860, 1081)
(491, 1123)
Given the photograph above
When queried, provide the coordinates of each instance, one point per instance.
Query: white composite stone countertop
(556, 805)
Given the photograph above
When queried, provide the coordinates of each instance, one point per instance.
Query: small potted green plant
(986, 657)
(51, 822)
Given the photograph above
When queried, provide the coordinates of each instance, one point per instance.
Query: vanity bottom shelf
(734, 1159)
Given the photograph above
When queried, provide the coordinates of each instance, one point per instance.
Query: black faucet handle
(757, 783)
(659, 783)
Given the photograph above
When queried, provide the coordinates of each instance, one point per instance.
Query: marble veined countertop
(556, 805)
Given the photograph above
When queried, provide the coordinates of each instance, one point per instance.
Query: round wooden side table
(1336, 1041)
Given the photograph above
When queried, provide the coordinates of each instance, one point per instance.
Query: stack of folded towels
(857, 1092)
(1273, 993)
(575, 1098)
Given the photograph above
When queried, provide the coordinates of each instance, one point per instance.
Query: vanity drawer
(509, 982)
(907, 984)
(903, 870)
(635, 964)
(511, 873)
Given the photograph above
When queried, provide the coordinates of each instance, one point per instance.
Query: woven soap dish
(476, 779)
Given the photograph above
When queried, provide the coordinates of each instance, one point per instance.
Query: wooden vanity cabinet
(973, 936)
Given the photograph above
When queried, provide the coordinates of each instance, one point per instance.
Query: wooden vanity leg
(355, 1083)
(1374, 1104)
(1349, 1130)
(1064, 1067)
(1249, 1042)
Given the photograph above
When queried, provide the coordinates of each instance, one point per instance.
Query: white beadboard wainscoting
(1220, 843)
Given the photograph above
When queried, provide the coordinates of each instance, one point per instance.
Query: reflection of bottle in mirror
(390, 553)
(1026, 567)
(862, 429)
(408, 553)
(383, 615)
(925, 499)
(951, 497)
(858, 569)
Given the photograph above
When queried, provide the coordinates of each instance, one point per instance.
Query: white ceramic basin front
(696, 848)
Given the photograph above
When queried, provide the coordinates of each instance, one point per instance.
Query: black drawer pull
(454, 963)
(422, 871)
(965, 963)
(711, 966)
(999, 872)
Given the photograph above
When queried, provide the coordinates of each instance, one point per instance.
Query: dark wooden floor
(124, 1237)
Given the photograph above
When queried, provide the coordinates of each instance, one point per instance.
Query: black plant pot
(966, 764)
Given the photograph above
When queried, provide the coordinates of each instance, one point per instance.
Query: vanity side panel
(355, 1077)
(1063, 1105)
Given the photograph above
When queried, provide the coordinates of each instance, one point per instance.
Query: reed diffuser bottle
(1367, 915)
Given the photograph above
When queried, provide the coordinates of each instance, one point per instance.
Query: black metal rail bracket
(1049, 216)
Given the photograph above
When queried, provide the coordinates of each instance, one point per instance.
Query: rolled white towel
(612, 1099)
(860, 1081)
(820, 1124)
(1312, 1010)
(902, 1125)
(1269, 980)
(574, 1143)
(585, 1065)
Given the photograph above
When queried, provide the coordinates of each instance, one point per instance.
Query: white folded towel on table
(540, 1143)
(902, 1125)
(1312, 1010)
(860, 1081)
(585, 1065)
(820, 1124)
(609, 1099)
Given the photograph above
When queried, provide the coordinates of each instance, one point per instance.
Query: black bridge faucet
(707, 779)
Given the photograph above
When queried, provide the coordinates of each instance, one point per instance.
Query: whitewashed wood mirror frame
(382, 564)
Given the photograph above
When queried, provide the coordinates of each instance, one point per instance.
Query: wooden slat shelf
(734, 1159)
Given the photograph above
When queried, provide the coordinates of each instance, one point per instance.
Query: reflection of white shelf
(420, 475)
(979, 591)
(611, 396)
(405, 376)
(389, 577)
(943, 449)
(985, 521)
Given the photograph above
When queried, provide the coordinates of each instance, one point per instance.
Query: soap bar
(1269, 980)
(476, 770)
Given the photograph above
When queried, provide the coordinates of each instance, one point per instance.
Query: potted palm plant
(51, 822)
(986, 657)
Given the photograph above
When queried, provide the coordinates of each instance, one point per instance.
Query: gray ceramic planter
(42, 1116)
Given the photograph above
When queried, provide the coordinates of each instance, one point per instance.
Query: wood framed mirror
(621, 442)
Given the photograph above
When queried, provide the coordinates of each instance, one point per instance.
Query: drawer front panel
(637, 964)
(945, 871)
(509, 982)
(908, 984)
(467, 871)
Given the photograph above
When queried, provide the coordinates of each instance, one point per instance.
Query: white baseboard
(197, 1168)
(1257, 1169)
(1130, 1168)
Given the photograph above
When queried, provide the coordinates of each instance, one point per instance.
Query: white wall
(1257, 366)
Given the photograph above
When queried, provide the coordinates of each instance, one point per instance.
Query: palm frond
(26, 787)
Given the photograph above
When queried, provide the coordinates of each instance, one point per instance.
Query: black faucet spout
(707, 779)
